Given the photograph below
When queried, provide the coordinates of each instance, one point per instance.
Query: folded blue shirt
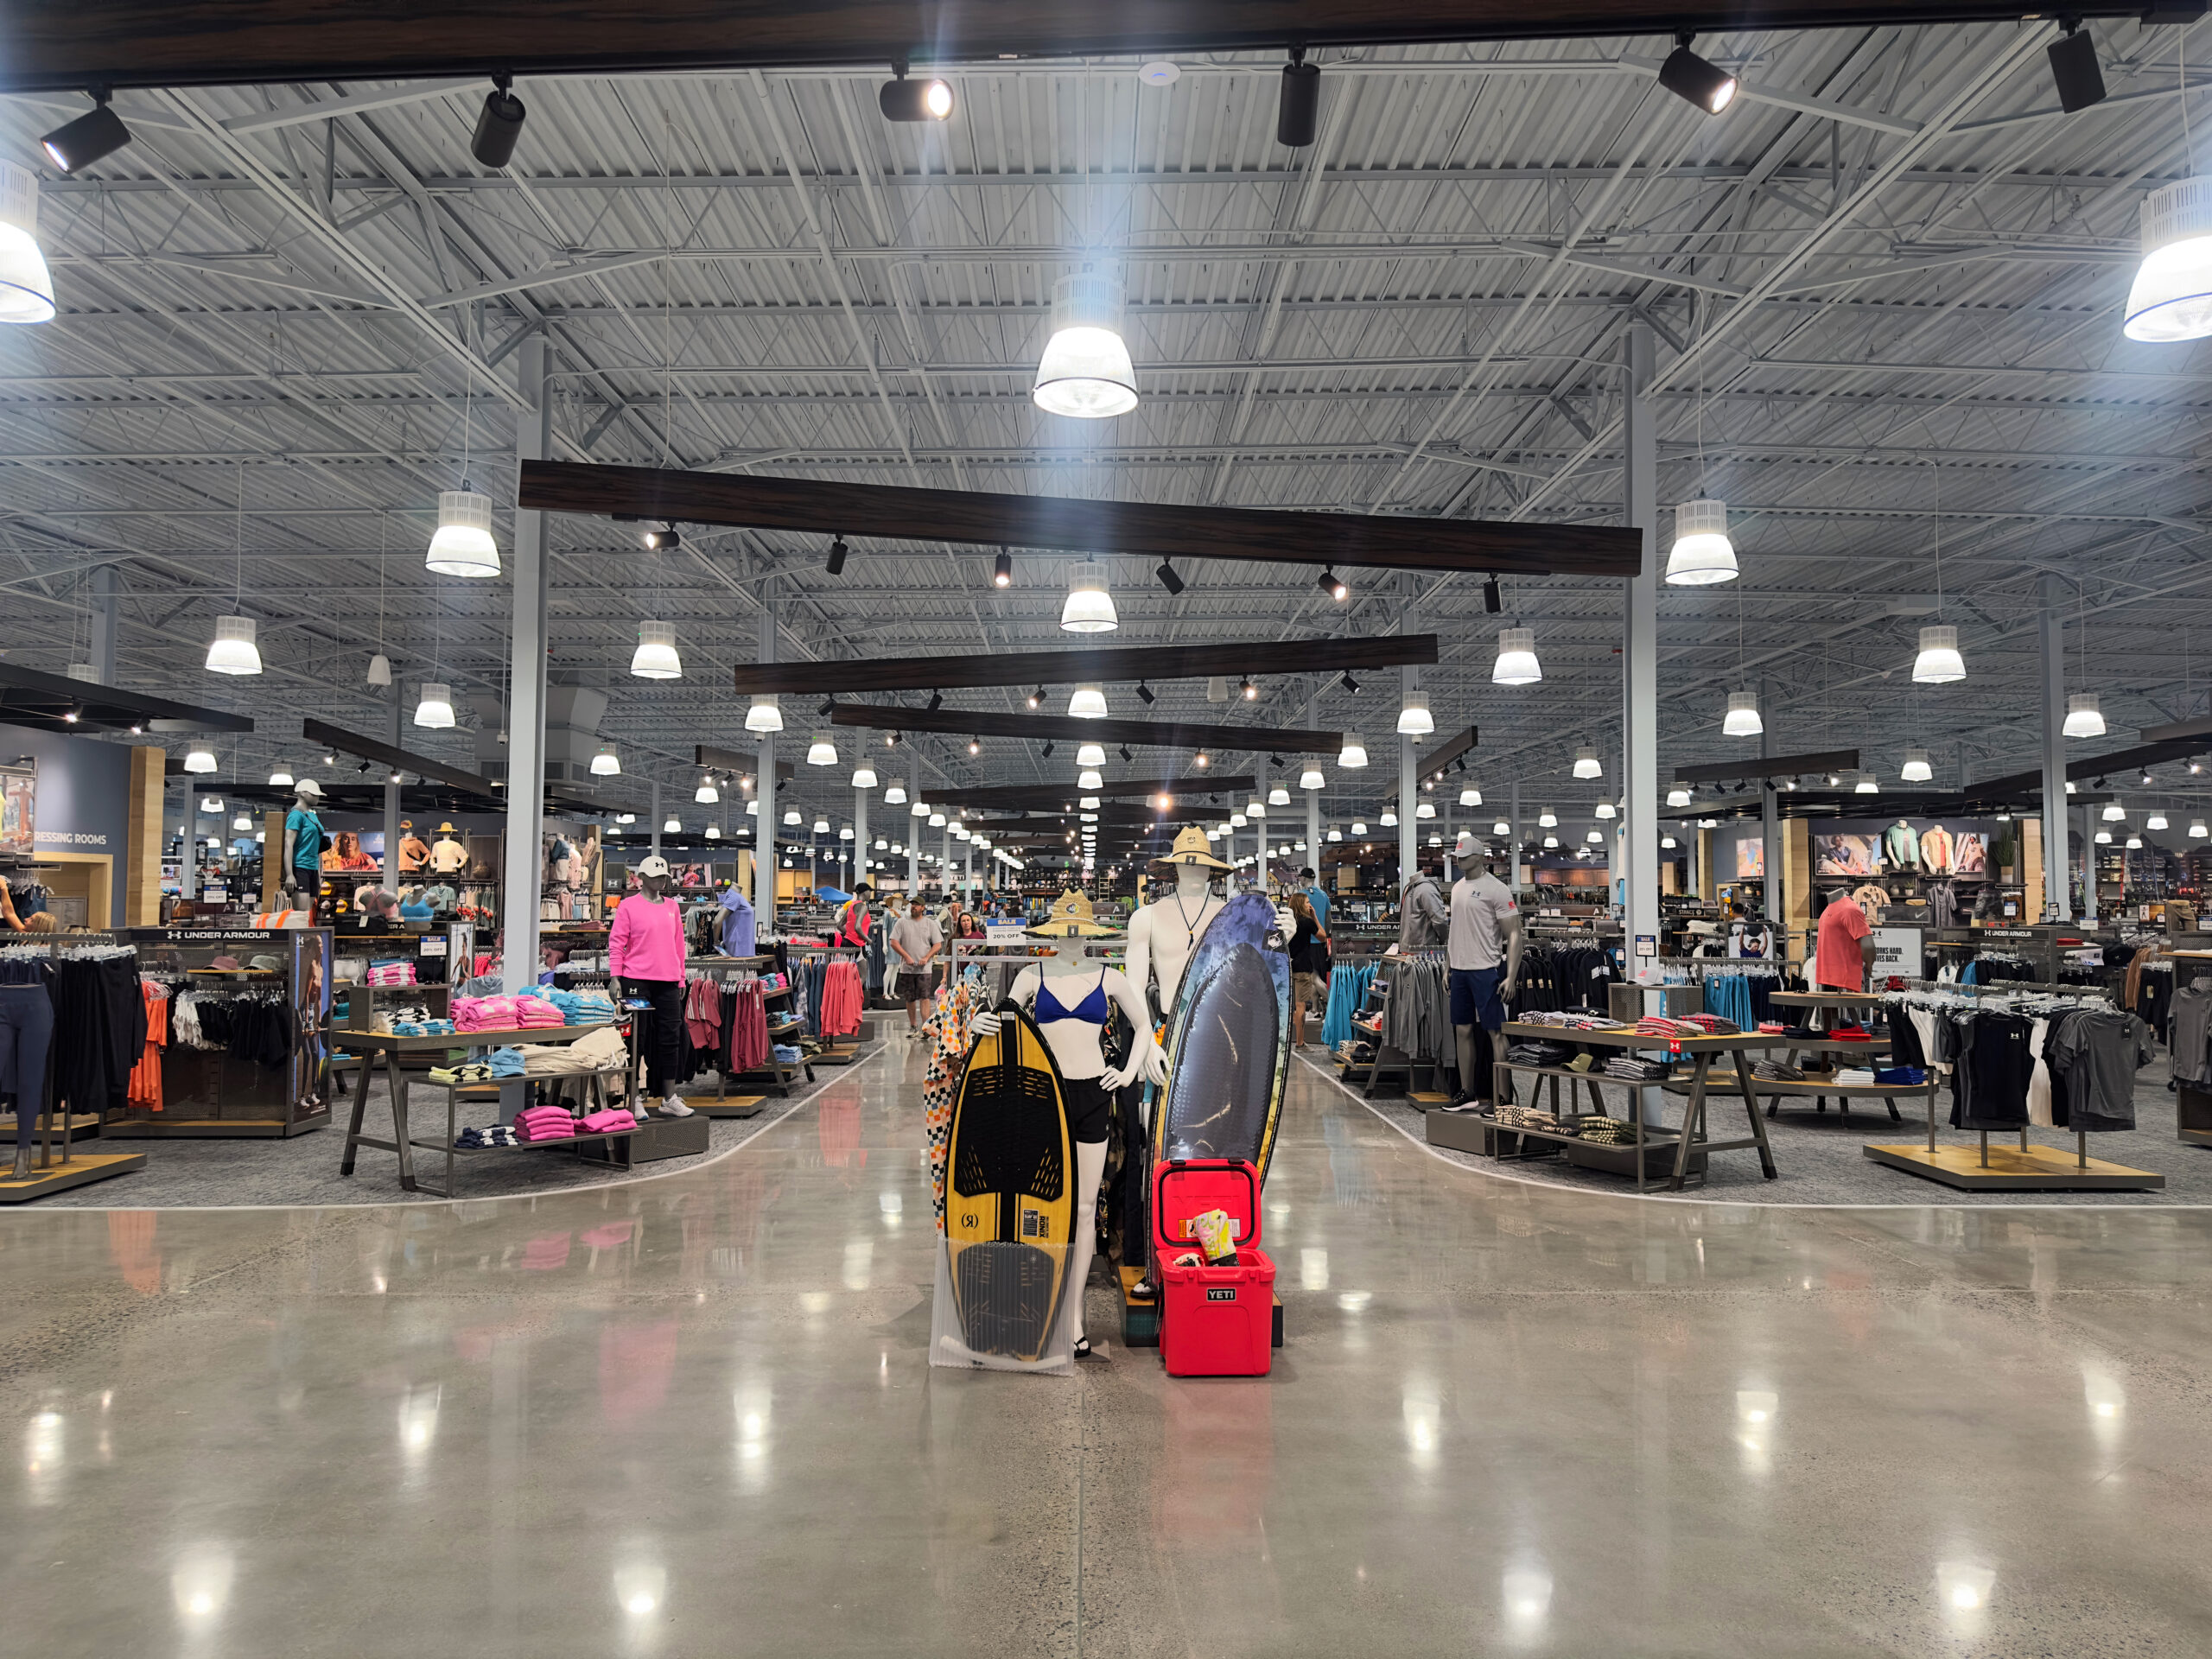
(507, 1063)
(1904, 1077)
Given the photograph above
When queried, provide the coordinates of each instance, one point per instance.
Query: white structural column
(107, 589)
(764, 789)
(1640, 664)
(2088, 862)
(1512, 838)
(2057, 902)
(914, 826)
(657, 820)
(1258, 798)
(392, 805)
(1770, 816)
(860, 854)
(526, 678)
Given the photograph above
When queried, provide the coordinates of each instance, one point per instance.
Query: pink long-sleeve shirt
(647, 939)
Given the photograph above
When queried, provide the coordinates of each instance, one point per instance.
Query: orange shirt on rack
(146, 1077)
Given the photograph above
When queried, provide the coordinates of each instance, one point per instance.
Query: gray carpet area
(304, 1170)
(1818, 1160)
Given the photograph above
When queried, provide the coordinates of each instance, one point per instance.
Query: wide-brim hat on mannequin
(1190, 848)
(445, 828)
(309, 787)
(1072, 918)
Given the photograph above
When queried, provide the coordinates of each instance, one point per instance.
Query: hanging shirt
(646, 941)
(307, 848)
(738, 934)
(448, 856)
(1482, 907)
(1839, 965)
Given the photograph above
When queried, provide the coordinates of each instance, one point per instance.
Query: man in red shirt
(1846, 946)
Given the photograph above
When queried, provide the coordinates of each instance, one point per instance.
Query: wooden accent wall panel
(144, 836)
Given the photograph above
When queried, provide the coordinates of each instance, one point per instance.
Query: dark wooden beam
(1030, 797)
(2140, 759)
(1430, 765)
(1772, 765)
(368, 748)
(43, 702)
(57, 44)
(1062, 729)
(950, 673)
(1068, 525)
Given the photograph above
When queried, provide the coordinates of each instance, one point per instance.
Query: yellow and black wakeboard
(1009, 1209)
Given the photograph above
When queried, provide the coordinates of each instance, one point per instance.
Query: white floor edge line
(1444, 1158)
(822, 1087)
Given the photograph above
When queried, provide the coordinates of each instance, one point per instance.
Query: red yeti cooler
(1213, 1321)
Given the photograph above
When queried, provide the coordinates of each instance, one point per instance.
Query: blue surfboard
(1228, 1041)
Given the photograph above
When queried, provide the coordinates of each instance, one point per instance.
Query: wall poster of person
(1847, 855)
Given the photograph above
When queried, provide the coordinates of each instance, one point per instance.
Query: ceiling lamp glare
(766, 717)
(1088, 608)
(1915, 769)
(26, 287)
(233, 651)
(901, 100)
(1002, 569)
(1516, 662)
(2172, 299)
(1085, 372)
(1939, 662)
(1689, 76)
(96, 133)
(1743, 718)
(666, 539)
(2083, 717)
(463, 545)
(1702, 553)
(1414, 718)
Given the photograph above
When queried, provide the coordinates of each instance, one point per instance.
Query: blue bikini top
(1094, 1009)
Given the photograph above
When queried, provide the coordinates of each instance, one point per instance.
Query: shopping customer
(1483, 954)
(1318, 896)
(645, 951)
(1309, 959)
(1845, 951)
(917, 939)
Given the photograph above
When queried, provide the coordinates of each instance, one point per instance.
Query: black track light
(1002, 572)
(2074, 67)
(1298, 106)
(836, 563)
(98, 132)
(901, 100)
(1250, 689)
(664, 540)
(1146, 694)
(1126, 755)
(1048, 749)
(1493, 600)
(498, 125)
(828, 706)
(1349, 684)
(1168, 579)
(937, 700)
(1036, 698)
(1334, 585)
(975, 747)
(1690, 77)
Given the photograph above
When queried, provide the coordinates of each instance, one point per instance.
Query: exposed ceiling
(1885, 287)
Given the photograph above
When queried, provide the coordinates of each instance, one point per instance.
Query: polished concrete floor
(692, 1416)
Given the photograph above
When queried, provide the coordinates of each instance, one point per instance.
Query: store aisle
(691, 1416)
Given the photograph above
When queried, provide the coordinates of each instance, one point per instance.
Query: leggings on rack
(663, 1056)
(26, 1033)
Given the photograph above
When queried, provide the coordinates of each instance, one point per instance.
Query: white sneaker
(674, 1108)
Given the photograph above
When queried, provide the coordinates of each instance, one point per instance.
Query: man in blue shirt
(1317, 894)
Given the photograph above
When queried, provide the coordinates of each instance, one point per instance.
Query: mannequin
(1073, 1012)
(447, 856)
(645, 951)
(414, 851)
(304, 843)
(1164, 932)
(1484, 951)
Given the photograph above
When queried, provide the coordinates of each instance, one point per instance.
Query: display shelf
(80, 1171)
(2023, 1168)
(166, 1127)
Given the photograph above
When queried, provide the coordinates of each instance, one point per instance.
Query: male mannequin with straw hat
(1164, 932)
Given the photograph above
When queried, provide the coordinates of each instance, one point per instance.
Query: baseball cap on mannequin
(1470, 846)
(655, 865)
(308, 787)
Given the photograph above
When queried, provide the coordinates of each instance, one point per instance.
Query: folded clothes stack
(474, 1072)
(580, 1008)
(1772, 1028)
(483, 1139)
(1712, 1025)
(1539, 1053)
(1606, 1131)
(394, 971)
(1776, 1072)
(1570, 1019)
(1851, 1034)
(611, 1121)
(422, 1027)
(1510, 1117)
(1658, 1025)
(532, 1008)
(1856, 1076)
(484, 1012)
(546, 1123)
(1628, 1069)
(1902, 1077)
(785, 1054)
(507, 1063)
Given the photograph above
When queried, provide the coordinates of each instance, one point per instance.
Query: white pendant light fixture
(1390, 819)
(1088, 803)
(1335, 834)
(1090, 755)
(1547, 819)
(1866, 784)
(822, 826)
(25, 287)
(210, 803)
(1351, 754)
(463, 545)
(1359, 829)
(1088, 608)
(1702, 553)
(1425, 810)
(705, 794)
(241, 821)
(673, 827)
(2134, 841)
(200, 758)
(607, 763)
(1085, 371)
(1256, 808)
(2157, 820)
(434, 706)
(714, 832)
(1679, 795)
(1414, 718)
(864, 775)
(1915, 769)
(1587, 764)
(1939, 662)
(1604, 810)
(2083, 717)
(1279, 796)
(791, 817)
(895, 793)
(2113, 812)
(2171, 298)
(1516, 662)
(766, 717)
(2196, 829)
(1551, 840)
(656, 658)
(379, 669)
(1667, 843)
(937, 821)
(917, 809)
(1501, 827)
(1087, 703)
(823, 751)
(1743, 718)
(1470, 796)
(2104, 837)
(1595, 837)
(1089, 780)
(282, 778)
(233, 650)
(752, 808)
(1312, 778)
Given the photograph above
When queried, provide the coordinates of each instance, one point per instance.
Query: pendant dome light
(434, 707)
(822, 826)
(26, 287)
(282, 778)
(1595, 837)
(1678, 796)
(1279, 796)
(791, 817)
(752, 808)
(917, 809)
(1501, 827)
(1516, 662)
(233, 650)
(1587, 764)
(1089, 779)
(1087, 803)
(1312, 778)
(1702, 553)
(2196, 830)
(937, 821)
(1915, 769)
(1390, 819)
(1414, 718)
(2083, 717)
(1866, 784)
(656, 658)
(1090, 755)
(1939, 662)
(2171, 298)
(463, 545)
(200, 758)
(823, 751)
(707, 794)
(607, 763)
(1085, 372)
(1352, 753)
(766, 717)
(1604, 810)
(1335, 834)
(1551, 840)
(895, 793)
(2157, 820)
(379, 669)
(1743, 717)
(1548, 819)
(1088, 608)
(2104, 837)
(1425, 810)
(714, 832)
(864, 775)
(2134, 841)
(2115, 812)
(1087, 703)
